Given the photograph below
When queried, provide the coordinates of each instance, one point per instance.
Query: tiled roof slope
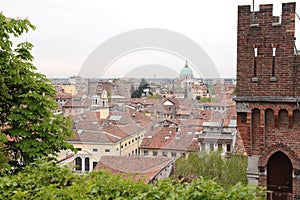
(141, 167)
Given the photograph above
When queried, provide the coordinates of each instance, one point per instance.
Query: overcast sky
(69, 30)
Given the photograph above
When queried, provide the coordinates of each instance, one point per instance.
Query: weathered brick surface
(265, 36)
(273, 121)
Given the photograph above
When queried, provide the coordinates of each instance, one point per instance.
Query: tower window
(273, 78)
(255, 61)
(255, 65)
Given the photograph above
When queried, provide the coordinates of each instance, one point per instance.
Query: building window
(107, 150)
(87, 164)
(125, 144)
(95, 150)
(78, 164)
(154, 153)
(94, 165)
(128, 142)
(173, 154)
(255, 60)
(146, 153)
(273, 62)
(228, 148)
(79, 149)
(121, 146)
(164, 153)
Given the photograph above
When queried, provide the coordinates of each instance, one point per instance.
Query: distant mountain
(152, 71)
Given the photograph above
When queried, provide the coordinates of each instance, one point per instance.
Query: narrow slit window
(273, 62)
(255, 60)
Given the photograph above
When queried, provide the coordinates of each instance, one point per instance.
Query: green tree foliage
(225, 171)
(45, 180)
(138, 93)
(28, 129)
(211, 89)
(154, 96)
(208, 99)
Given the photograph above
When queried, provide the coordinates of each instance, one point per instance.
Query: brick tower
(268, 98)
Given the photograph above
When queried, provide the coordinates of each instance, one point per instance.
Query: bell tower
(268, 96)
(101, 98)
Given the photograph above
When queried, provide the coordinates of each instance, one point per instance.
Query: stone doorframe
(278, 146)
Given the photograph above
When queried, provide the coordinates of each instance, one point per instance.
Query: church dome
(186, 70)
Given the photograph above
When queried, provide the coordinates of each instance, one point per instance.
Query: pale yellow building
(71, 89)
(96, 138)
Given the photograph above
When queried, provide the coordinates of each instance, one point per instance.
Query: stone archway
(279, 160)
(278, 146)
(279, 176)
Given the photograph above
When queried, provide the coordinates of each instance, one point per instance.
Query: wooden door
(279, 176)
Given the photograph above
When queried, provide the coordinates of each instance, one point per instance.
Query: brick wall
(268, 87)
(264, 34)
(265, 126)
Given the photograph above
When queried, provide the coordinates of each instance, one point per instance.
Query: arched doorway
(279, 176)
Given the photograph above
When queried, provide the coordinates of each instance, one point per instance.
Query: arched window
(87, 164)
(255, 124)
(296, 118)
(255, 118)
(283, 119)
(269, 119)
(78, 164)
(242, 118)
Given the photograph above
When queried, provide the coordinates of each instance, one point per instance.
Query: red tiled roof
(67, 157)
(144, 101)
(191, 123)
(131, 116)
(183, 112)
(185, 140)
(116, 131)
(63, 95)
(142, 167)
(194, 147)
(158, 140)
(89, 128)
(199, 87)
(74, 102)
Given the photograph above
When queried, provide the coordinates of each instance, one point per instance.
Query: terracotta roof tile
(67, 157)
(160, 139)
(183, 140)
(141, 167)
(78, 102)
(63, 95)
